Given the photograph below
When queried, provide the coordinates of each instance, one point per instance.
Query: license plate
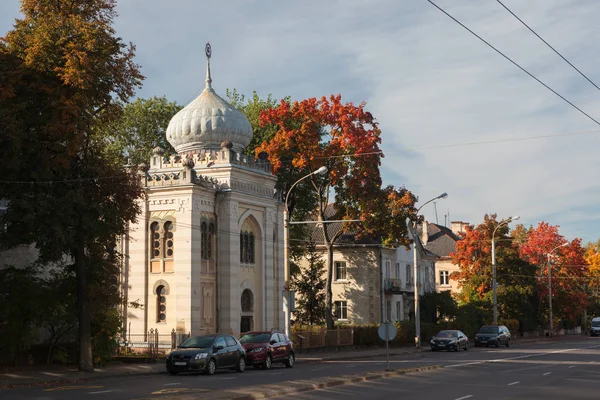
(179, 363)
(442, 345)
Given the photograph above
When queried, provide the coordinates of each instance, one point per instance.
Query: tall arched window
(251, 248)
(247, 301)
(210, 241)
(203, 241)
(168, 238)
(161, 304)
(156, 245)
(247, 247)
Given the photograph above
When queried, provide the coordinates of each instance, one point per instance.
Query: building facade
(206, 253)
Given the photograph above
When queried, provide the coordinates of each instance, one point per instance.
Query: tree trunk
(83, 311)
(329, 297)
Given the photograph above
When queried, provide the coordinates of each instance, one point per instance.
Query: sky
(455, 116)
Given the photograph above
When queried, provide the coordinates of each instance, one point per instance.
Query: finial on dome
(208, 52)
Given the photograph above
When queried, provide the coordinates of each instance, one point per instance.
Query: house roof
(441, 240)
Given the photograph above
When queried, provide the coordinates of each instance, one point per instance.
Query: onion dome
(208, 121)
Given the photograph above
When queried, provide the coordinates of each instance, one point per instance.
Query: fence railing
(151, 344)
(324, 338)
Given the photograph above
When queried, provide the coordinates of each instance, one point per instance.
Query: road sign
(387, 331)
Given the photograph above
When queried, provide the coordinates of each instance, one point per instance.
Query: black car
(206, 354)
(492, 335)
(449, 340)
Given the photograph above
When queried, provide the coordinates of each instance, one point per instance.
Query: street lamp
(550, 284)
(494, 283)
(416, 272)
(286, 251)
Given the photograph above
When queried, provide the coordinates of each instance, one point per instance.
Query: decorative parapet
(210, 158)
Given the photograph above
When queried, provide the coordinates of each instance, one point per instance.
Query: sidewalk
(53, 375)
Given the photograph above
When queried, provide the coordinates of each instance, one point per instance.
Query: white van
(595, 328)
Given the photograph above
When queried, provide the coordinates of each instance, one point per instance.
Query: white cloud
(427, 80)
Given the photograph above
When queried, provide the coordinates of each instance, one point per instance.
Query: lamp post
(416, 272)
(286, 251)
(550, 284)
(494, 283)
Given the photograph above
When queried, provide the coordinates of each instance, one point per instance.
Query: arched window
(168, 237)
(247, 247)
(251, 248)
(156, 245)
(161, 304)
(203, 241)
(242, 247)
(210, 241)
(247, 301)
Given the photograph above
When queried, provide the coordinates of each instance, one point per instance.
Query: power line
(548, 44)
(514, 63)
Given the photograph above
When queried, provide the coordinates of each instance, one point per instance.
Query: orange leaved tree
(344, 138)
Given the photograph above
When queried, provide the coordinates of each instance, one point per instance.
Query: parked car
(595, 328)
(492, 335)
(206, 354)
(450, 340)
(265, 348)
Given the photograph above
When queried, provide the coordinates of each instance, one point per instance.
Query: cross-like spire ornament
(208, 52)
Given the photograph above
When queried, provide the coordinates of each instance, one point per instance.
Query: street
(566, 368)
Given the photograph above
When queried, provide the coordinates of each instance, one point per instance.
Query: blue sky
(433, 87)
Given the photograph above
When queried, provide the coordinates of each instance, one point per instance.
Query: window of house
(444, 278)
(341, 309)
(388, 267)
(408, 275)
(210, 240)
(388, 311)
(398, 273)
(398, 311)
(156, 246)
(161, 304)
(168, 238)
(203, 241)
(340, 270)
(247, 247)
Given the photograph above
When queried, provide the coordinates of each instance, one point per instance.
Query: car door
(274, 343)
(462, 339)
(220, 353)
(232, 350)
(286, 345)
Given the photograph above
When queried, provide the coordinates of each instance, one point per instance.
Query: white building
(206, 254)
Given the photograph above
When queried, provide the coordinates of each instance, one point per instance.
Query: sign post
(387, 331)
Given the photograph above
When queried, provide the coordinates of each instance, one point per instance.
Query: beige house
(441, 241)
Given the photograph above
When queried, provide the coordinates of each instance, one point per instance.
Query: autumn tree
(344, 138)
(569, 269)
(592, 257)
(66, 71)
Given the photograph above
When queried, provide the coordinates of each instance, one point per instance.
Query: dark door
(221, 353)
(246, 324)
(232, 350)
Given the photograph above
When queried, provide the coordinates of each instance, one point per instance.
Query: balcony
(392, 285)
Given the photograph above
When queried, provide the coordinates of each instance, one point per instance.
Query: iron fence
(151, 344)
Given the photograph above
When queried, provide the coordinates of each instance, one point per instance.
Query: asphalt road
(566, 370)
(552, 370)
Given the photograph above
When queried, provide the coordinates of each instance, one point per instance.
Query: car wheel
(289, 363)
(241, 365)
(467, 346)
(268, 362)
(507, 342)
(211, 368)
(497, 343)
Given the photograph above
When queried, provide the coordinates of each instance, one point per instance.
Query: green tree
(142, 126)
(437, 306)
(78, 199)
(310, 287)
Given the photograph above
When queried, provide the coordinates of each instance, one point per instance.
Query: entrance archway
(246, 322)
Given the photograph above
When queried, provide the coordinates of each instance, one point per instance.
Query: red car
(265, 348)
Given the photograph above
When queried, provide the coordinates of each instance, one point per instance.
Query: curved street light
(416, 271)
(550, 284)
(286, 250)
(494, 283)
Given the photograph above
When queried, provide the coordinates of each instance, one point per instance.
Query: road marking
(464, 397)
(513, 383)
(102, 391)
(571, 366)
(316, 369)
(229, 377)
(350, 366)
(171, 384)
(59, 388)
(546, 373)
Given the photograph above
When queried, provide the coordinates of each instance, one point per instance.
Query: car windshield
(447, 334)
(255, 338)
(488, 329)
(198, 342)
(596, 324)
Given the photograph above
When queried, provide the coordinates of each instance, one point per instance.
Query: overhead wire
(513, 62)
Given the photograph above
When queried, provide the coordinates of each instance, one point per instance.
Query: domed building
(206, 254)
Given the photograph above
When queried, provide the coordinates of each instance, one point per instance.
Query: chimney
(424, 232)
(459, 227)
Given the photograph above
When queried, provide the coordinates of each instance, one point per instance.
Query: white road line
(571, 366)
(513, 383)
(102, 391)
(316, 369)
(229, 377)
(350, 366)
(464, 397)
(171, 384)
(546, 373)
